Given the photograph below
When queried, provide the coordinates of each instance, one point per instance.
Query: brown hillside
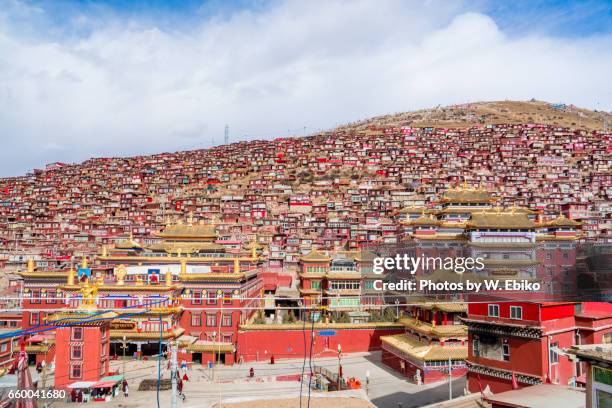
(497, 112)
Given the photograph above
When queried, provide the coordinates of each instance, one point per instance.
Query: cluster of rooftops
(341, 189)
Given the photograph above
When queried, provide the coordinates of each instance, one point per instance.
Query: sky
(81, 79)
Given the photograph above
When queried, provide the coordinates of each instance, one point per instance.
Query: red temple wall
(260, 344)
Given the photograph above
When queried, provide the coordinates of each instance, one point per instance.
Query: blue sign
(327, 333)
(83, 274)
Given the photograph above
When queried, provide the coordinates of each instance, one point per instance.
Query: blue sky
(107, 78)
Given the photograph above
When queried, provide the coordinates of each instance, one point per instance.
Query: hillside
(498, 112)
(339, 188)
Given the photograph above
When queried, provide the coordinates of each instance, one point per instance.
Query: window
(554, 356)
(77, 333)
(211, 320)
(75, 371)
(34, 319)
(227, 299)
(76, 352)
(516, 312)
(227, 320)
(315, 285)
(197, 298)
(476, 348)
(3, 347)
(344, 285)
(211, 300)
(196, 319)
(494, 310)
(506, 352)
(35, 298)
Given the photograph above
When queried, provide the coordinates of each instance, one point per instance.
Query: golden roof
(467, 195)
(185, 247)
(502, 220)
(562, 221)
(423, 351)
(85, 318)
(445, 307)
(213, 276)
(365, 256)
(425, 220)
(128, 244)
(209, 347)
(413, 209)
(315, 256)
(201, 231)
(449, 330)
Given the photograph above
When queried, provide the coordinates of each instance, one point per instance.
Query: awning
(81, 384)
(104, 384)
(108, 382)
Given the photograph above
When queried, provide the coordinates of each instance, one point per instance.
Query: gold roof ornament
(104, 251)
(168, 277)
(30, 265)
(190, 219)
(139, 281)
(84, 262)
(183, 267)
(236, 265)
(71, 274)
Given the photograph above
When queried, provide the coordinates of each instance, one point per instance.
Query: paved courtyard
(207, 386)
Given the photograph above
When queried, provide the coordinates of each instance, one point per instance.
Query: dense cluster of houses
(337, 189)
(222, 250)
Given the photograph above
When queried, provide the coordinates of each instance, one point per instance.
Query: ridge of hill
(493, 112)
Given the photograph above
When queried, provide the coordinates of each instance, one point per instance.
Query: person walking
(126, 388)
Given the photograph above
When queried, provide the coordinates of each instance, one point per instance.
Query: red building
(433, 337)
(523, 341)
(82, 348)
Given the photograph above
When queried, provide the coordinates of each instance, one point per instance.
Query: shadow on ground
(420, 398)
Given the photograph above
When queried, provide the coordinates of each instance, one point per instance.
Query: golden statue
(139, 281)
(89, 293)
(120, 274)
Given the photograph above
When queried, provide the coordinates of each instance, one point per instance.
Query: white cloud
(131, 87)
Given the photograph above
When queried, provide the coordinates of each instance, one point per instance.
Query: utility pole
(450, 379)
(124, 346)
(226, 137)
(174, 372)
